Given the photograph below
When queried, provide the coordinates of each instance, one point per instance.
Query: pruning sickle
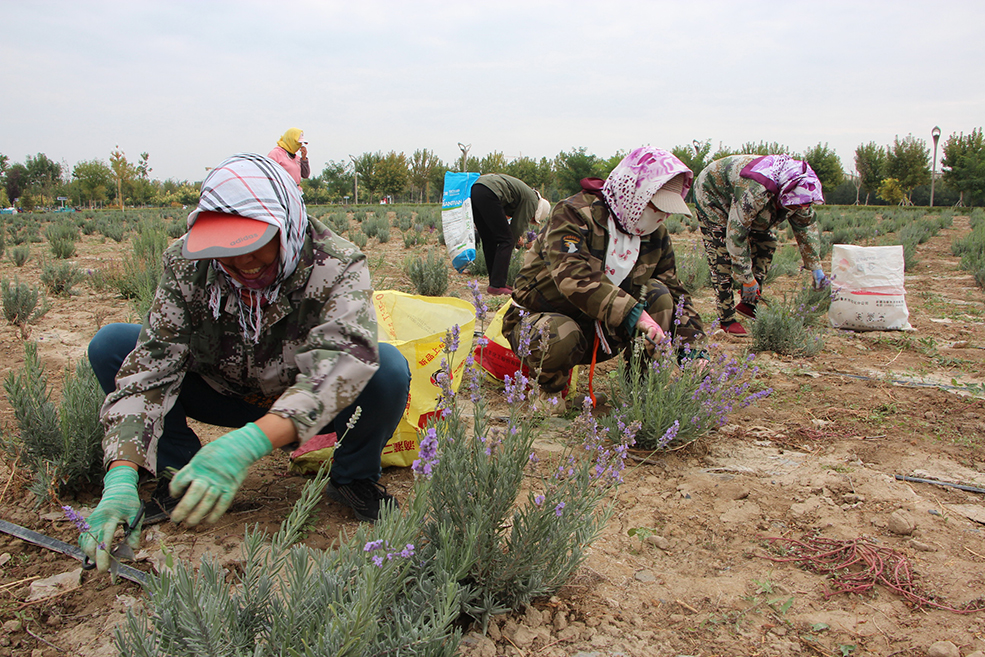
(126, 572)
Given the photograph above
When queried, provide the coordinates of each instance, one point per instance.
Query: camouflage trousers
(557, 342)
(762, 246)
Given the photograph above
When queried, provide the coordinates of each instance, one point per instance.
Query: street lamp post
(465, 153)
(355, 181)
(936, 134)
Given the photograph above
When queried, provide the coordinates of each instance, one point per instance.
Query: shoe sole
(749, 316)
(336, 496)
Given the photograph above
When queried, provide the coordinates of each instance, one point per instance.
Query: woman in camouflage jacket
(603, 265)
(740, 200)
(262, 320)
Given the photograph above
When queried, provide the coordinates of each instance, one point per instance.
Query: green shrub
(20, 254)
(62, 231)
(60, 445)
(358, 238)
(62, 248)
(61, 278)
(383, 234)
(971, 248)
(338, 222)
(114, 230)
(791, 327)
(516, 264)
(429, 275)
(410, 239)
(23, 304)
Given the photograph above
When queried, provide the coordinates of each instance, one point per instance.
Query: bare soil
(819, 457)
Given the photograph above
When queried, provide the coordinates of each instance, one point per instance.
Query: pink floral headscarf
(793, 182)
(628, 190)
(636, 179)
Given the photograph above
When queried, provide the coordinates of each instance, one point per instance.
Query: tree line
(896, 173)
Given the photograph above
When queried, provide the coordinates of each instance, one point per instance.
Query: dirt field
(818, 457)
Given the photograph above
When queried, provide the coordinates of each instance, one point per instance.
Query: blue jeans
(358, 457)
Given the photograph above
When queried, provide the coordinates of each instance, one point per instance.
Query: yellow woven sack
(416, 326)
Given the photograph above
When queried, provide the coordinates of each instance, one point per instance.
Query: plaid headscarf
(254, 186)
(791, 181)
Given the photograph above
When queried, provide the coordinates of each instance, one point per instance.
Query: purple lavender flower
(427, 453)
(408, 551)
(558, 509)
(538, 500)
(372, 546)
(378, 561)
(80, 522)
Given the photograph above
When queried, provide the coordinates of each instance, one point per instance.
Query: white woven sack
(867, 288)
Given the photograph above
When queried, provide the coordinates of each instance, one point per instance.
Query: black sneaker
(161, 504)
(363, 496)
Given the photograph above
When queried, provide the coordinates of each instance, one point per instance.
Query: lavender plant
(791, 326)
(675, 403)
(61, 445)
(428, 274)
(60, 278)
(370, 595)
(505, 552)
(23, 304)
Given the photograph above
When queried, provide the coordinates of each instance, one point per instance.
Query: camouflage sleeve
(338, 357)
(808, 235)
(746, 205)
(524, 214)
(150, 377)
(578, 274)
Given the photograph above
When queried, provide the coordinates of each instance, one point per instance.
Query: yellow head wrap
(291, 141)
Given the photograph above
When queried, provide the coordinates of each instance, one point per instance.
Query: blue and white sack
(456, 218)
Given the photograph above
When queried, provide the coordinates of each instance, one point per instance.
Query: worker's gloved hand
(820, 280)
(750, 292)
(120, 503)
(215, 473)
(649, 327)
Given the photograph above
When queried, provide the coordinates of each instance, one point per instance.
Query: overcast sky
(193, 82)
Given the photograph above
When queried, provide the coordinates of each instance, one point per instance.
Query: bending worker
(740, 200)
(262, 322)
(502, 208)
(602, 270)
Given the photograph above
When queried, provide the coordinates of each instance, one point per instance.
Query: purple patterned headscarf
(635, 180)
(793, 182)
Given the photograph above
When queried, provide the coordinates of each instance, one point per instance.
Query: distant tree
(870, 163)
(525, 169)
(908, 161)
(4, 203)
(891, 191)
(963, 166)
(764, 148)
(123, 172)
(494, 162)
(421, 164)
(43, 175)
(696, 156)
(574, 165)
(15, 180)
(337, 177)
(365, 168)
(92, 181)
(827, 166)
(391, 175)
(437, 178)
(4, 161)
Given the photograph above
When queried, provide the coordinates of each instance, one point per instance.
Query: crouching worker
(262, 322)
(602, 270)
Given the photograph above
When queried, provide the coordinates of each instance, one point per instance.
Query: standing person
(602, 270)
(740, 199)
(291, 152)
(262, 322)
(503, 207)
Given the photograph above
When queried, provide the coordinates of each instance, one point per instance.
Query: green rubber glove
(120, 503)
(215, 474)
